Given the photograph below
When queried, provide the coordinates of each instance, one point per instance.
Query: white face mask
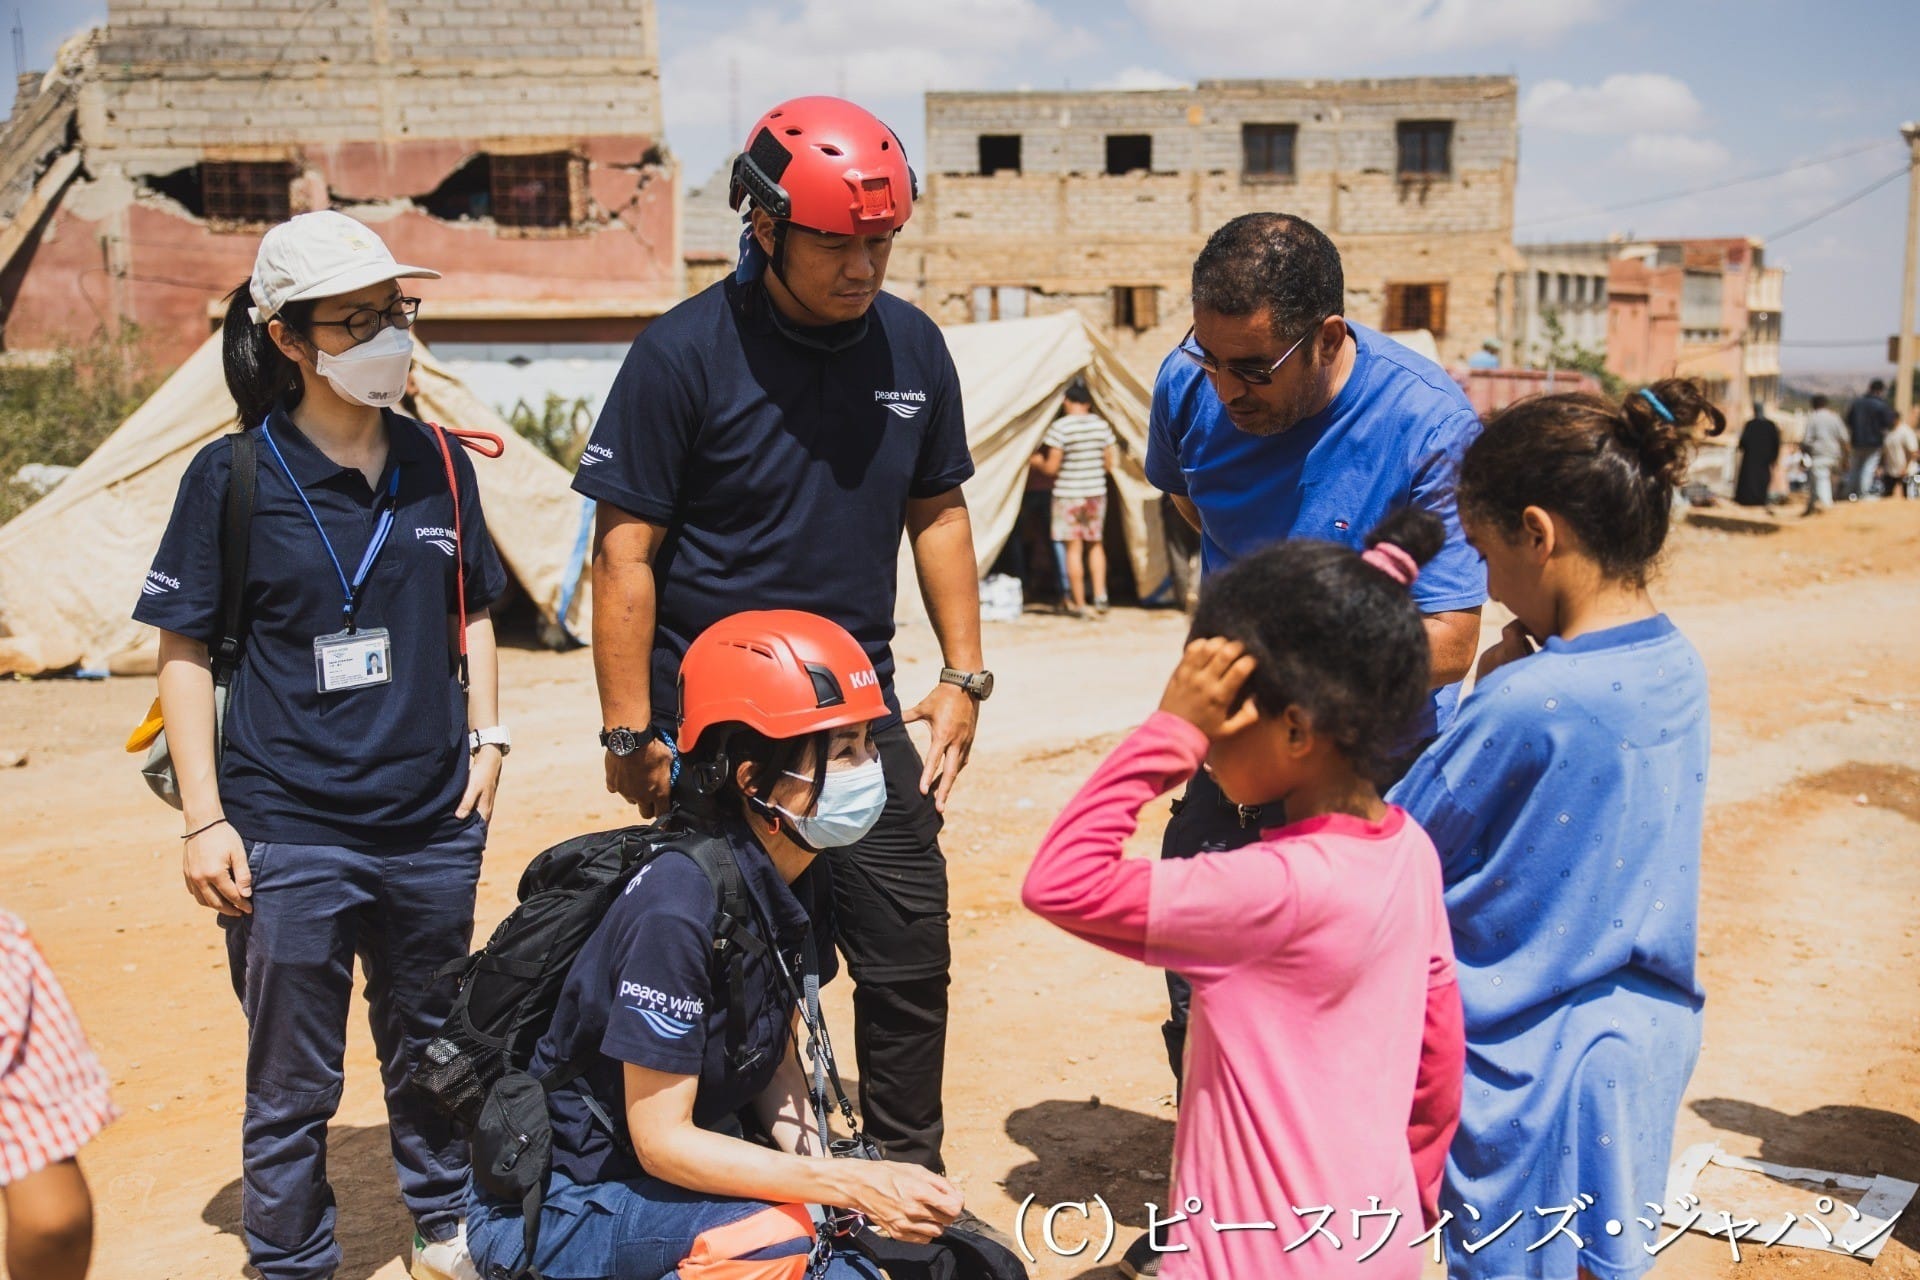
(373, 373)
(850, 803)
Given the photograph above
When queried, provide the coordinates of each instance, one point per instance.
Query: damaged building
(519, 152)
(1099, 201)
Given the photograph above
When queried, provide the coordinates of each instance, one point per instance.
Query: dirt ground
(1056, 1082)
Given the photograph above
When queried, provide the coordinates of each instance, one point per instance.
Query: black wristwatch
(977, 684)
(623, 742)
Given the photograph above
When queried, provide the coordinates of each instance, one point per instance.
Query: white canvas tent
(72, 564)
(1012, 374)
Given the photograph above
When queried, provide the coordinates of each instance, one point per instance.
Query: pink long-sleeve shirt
(1324, 1045)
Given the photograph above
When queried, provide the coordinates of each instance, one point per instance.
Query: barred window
(249, 192)
(532, 190)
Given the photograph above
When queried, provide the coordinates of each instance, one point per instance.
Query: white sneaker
(442, 1259)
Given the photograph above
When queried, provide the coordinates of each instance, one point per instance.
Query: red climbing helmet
(781, 671)
(828, 165)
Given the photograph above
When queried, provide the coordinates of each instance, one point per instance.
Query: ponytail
(259, 375)
(1609, 469)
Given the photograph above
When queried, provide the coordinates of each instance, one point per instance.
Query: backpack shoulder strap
(733, 936)
(236, 522)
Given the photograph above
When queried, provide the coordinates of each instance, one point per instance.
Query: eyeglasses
(1252, 375)
(369, 321)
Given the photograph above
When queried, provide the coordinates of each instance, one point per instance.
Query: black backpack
(476, 1069)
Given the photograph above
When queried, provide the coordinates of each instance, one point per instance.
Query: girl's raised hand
(1514, 644)
(1206, 686)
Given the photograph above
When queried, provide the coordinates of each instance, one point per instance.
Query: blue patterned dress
(1566, 800)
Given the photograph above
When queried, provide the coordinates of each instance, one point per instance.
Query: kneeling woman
(775, 712)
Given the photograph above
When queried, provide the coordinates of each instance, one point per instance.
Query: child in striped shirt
(53, 1100)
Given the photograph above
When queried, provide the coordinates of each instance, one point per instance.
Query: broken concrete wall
(371, 108)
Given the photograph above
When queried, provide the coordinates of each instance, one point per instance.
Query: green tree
(59, 412)
(1562, 354)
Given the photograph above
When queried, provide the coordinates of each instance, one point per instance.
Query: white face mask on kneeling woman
(850, 803)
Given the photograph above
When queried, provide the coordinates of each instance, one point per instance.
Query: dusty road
(1056, 1082)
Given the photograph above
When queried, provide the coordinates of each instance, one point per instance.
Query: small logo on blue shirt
(663, 1026)
(158, 584)
(901, 404)
(595, 453)
(669, 1017)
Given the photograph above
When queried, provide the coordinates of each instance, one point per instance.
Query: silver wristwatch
(977, 684)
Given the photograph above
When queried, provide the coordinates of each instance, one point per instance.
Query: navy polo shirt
(645, 989)
(1392, 438)
(781, 471)
(380, 765)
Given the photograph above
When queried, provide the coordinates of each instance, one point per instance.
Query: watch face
(622, 742)
(985, 683)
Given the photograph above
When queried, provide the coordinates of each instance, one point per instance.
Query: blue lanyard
(382, 527)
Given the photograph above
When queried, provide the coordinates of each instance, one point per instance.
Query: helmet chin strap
(776, 266)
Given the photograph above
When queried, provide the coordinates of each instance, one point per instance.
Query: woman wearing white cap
(341, 806)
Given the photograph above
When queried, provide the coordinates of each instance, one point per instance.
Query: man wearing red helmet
(765, 445)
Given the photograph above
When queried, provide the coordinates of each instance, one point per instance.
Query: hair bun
(1415, 531)
(1659, 440)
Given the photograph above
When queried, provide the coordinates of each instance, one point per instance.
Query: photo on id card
(353, 659)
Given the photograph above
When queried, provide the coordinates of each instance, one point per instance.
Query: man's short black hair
(1875, 387)
(1077, 392)
(1271, 262)
(1818, 402)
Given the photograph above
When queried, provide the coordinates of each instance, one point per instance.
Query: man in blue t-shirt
(1277, 417)
(765, 445)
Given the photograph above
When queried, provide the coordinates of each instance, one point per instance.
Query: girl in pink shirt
(1324, 1053)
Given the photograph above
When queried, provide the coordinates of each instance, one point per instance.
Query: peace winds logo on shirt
(158, 584)
(669, 1017)
(594, 454)
(438, 536)
(901, 404)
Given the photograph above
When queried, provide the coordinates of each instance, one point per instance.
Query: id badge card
(353, 659)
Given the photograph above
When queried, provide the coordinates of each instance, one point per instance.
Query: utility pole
(1903, 373)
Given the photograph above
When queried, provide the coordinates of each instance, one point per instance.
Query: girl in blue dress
(1566, 800)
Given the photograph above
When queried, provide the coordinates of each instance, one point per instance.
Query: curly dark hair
(1332, 634)
(1608, 468)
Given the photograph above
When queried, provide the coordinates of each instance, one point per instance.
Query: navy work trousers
(405, 911)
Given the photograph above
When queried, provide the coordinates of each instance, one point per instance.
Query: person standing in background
(1759, 450)
(1825, 448)
(1869, 418)
(1897, 453)
(1080, 454)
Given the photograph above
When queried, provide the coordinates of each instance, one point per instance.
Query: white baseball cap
(320, 255)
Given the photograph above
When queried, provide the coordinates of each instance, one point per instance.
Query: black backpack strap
(236, 522)
(733, 938)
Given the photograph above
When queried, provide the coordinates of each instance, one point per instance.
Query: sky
(1623, 103)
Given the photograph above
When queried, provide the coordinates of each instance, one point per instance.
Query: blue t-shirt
(645, 989)
(366, 767)
(1567, 801)
(1392, 438)
(781, 470)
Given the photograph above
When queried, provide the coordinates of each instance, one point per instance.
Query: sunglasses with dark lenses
(369, 321)
(1253, 375)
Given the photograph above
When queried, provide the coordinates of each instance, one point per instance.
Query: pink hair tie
(1394, 562)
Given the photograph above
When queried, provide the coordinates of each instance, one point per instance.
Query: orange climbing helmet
(828, 165)
(782, 672)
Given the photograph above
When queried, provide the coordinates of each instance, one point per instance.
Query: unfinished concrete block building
(516, 148)
(1099, 201)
